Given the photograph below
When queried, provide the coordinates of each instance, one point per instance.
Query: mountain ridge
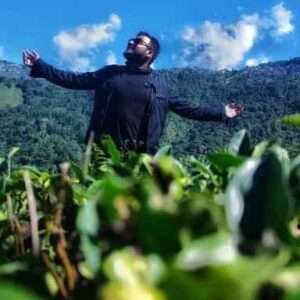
(50, 123)
(11, 69)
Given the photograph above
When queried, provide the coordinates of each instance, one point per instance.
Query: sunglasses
(138, 41)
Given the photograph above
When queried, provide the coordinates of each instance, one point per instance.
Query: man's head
(142, 50)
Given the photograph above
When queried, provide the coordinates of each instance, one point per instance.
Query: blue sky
(216, 34)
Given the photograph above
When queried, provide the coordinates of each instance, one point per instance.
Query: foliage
(10, 95)
(50, 124)
(131, 226)
(293, 120)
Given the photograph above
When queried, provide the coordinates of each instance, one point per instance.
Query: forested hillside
(48, 123)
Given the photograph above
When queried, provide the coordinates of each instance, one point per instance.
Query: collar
(136, 70)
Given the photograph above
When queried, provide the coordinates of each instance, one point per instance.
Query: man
(131, 100)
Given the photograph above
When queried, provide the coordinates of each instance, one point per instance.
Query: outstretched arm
(204, 113)
(66, 79)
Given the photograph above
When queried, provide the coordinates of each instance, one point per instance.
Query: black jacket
(103, 82)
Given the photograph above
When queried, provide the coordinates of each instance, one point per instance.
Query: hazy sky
(216, 34)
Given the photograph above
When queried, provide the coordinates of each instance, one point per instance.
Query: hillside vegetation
(49, 126)
(10, 96)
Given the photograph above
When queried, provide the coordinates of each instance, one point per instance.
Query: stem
(33, 214)
(58, 280)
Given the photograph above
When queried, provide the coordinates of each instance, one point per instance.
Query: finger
(25, 52)
(25, 56)
(31, 54)
(35, 53)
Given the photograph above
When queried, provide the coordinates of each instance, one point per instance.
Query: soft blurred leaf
(261, 148)
(294, 180)
(239, 186)
(12, 267)
(90, 247)
(88, 225)
(293, 120)
(289, 278)
(259, 192)
(241, 279)
(112, 187)
(203, 168)
(210, 250)
(129, 267)
(111, 149)
(164, 151)
(224, 160)
(12, 291)
(51, 284)
(158, 231)
(240, 143)
(13, 151)
(88, 220)
(121, 291)
(283, 157)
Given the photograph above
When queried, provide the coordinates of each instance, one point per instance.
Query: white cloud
(217, 46)
(1, 52)
(111, 58)
(252, 62)
(282, 20)
(224, 46)
(75, 46)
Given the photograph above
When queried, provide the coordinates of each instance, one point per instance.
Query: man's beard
(135, 58)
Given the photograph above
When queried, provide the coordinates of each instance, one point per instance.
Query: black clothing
(131, 105)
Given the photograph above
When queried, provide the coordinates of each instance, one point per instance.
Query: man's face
(139, 48)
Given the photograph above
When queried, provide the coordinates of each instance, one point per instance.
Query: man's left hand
(233, 110)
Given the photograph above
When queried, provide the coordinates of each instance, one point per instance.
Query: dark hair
(154, 43)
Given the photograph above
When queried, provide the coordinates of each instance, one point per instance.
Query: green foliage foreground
(130, 226)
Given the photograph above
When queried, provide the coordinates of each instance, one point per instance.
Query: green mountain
(48, 123)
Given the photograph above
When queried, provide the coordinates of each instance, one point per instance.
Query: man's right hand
(30, 57)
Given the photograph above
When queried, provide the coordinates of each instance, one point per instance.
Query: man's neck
(144, 68)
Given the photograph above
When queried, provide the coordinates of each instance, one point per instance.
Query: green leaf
(13, 151)
(94, 190)
(112, 187)
(79, 194)
(158, 231)
(88, 220)
(12, 267)
(202, 168)
(78, 171)
(164, 151)
(259, 192)
(282, 156)
(13, 291)
(121, 291)
(224, 160)
(130, 267)
(292, 120)
(261, 148)
(111, 149)
(88, 225)
(240, 143)
(294, 180)
(90, 247)
(241, 279)
(210, 250)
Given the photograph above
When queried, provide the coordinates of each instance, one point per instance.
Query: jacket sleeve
(200, 113)
(66, 79)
